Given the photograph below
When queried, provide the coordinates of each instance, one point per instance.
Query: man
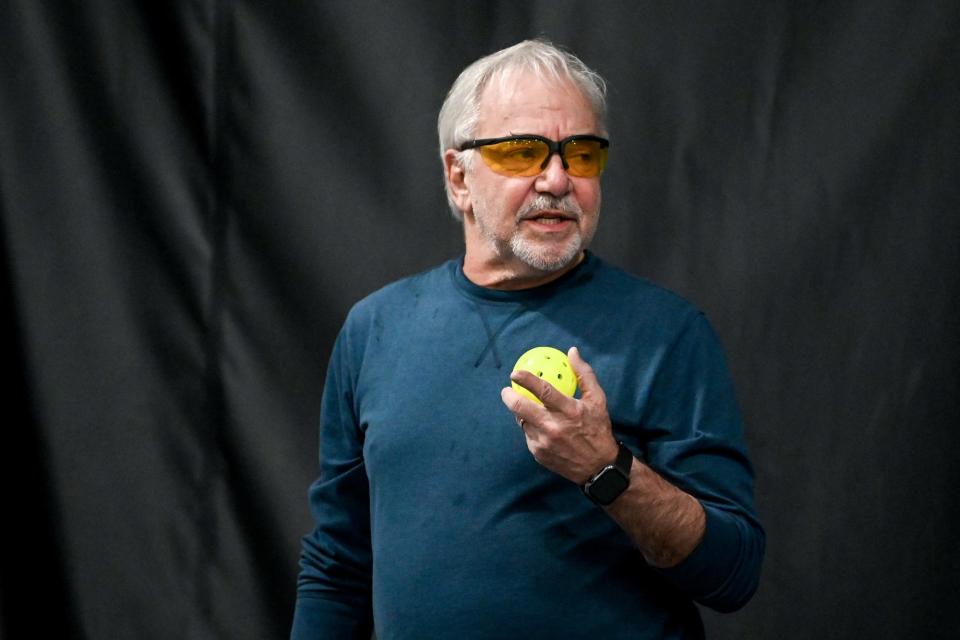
(448, 506)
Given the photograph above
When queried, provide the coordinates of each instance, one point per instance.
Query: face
(528, 225)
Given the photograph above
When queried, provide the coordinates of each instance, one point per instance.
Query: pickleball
(550, 364)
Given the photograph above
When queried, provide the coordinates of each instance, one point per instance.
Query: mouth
(556, 219)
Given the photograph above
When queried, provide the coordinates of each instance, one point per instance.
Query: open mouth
(549, 218)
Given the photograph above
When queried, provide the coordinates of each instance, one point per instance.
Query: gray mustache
(546, 203)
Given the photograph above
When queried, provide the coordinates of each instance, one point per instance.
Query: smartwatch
(607, 485)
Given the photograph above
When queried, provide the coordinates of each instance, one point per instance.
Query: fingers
(546, 392)
(522, 408)
(586, 378)
(551, 398)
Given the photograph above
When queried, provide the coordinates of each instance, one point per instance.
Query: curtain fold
(193, 195)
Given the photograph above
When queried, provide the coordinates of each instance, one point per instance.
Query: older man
(448, 505)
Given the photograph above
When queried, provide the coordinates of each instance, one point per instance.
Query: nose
(554, 179)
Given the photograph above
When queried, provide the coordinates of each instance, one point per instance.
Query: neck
(513, 275)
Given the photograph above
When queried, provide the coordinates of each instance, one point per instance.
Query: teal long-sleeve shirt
(434, 521)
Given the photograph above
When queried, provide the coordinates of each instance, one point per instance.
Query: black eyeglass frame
(555, 147)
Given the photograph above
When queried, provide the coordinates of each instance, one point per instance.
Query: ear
(456, 178)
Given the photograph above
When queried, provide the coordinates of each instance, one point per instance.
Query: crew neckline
(473, 290)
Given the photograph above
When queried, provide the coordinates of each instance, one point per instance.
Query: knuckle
(546, 434)
(578, 414)
(547, 391)
(602, 405)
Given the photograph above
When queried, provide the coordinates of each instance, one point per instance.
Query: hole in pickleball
(540, 374)
(559, 376)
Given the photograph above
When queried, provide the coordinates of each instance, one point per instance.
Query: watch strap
(608, 483)
(624, 459)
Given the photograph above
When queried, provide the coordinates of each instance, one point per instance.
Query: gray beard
(543, 259)
(528, 252)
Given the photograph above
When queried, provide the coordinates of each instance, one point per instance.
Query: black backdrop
(194, 193)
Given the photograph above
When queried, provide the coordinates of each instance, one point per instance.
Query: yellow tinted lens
(515, 157)
(585, 158)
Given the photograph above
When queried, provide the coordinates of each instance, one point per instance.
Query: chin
(546, 259)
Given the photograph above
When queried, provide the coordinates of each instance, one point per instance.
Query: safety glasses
(527, 155)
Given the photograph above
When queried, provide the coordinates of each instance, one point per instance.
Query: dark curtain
(193, 194)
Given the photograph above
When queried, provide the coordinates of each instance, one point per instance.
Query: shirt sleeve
(698, 446)
(334, 585)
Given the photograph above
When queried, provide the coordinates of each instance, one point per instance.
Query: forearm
(665, 523)
(317, 617)
(710, 553)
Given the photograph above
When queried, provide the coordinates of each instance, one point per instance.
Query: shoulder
(391, 309)
(618, 289)
(402, 293)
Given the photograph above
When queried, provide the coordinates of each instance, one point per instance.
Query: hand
(571, 437)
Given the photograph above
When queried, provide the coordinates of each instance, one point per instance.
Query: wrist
(612, 480)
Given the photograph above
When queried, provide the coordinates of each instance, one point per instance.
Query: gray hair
(461, 108)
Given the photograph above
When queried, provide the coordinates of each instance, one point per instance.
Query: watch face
(609, 484)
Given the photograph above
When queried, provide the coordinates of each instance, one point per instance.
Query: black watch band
(607, 485)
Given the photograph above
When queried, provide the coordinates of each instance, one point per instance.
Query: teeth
(549, 220)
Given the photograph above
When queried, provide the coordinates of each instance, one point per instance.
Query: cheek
(504, 199)
(596, 202)
(588, 196)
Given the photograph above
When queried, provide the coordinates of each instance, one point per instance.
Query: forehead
(521, 102)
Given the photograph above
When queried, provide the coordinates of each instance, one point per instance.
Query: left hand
(571, 437)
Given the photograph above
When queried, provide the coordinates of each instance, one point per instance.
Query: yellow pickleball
(550, 364)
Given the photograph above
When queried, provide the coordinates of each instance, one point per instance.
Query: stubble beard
(542, 256)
